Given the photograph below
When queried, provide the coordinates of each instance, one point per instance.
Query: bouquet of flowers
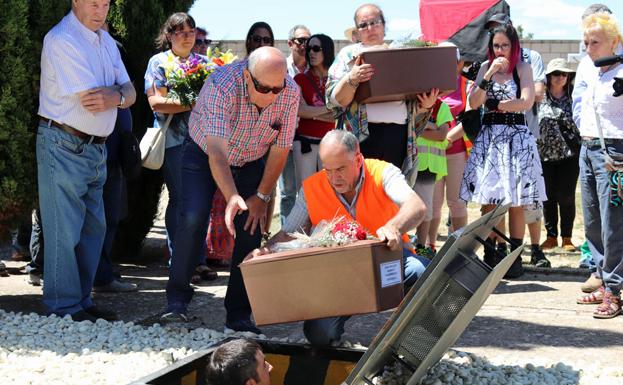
(337, 232)
(185, 79)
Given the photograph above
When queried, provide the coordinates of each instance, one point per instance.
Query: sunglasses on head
(203, 41)
(315, 48)
(261, 39)
(265, 90)
(300, 40)
(560, 73)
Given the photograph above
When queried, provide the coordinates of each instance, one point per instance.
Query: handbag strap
(313, 82)
(167, 122)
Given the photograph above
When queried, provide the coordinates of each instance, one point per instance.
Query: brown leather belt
(72, 131)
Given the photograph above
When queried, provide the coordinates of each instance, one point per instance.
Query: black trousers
(561, 178)
(198, 187)
(387, 141)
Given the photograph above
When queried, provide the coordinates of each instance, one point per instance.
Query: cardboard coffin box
(319, 282)
(402, 73)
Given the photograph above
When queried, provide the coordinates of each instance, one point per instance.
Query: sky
(230, 20)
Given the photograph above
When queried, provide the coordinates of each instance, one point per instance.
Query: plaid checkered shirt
(224, 110)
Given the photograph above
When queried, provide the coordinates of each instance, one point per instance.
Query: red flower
(218, 61)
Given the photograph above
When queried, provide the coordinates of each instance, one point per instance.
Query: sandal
(609, 308)
(594, 298)
(205, 273)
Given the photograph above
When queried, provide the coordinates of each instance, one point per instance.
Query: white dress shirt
(75, 59)
(599, 98)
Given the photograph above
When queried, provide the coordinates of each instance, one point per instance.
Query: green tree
(523, 35)
(135, 23)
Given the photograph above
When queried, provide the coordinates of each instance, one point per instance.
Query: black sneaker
(82, 315)
(538, 259)
(516, 269)
(241, 325)
(174, 316)
(96, 312)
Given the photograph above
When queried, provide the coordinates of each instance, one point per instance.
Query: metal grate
(439, 307)
(432, 321)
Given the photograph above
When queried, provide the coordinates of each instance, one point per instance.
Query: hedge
(23, 24)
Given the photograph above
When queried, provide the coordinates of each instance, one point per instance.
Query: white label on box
(390, 273)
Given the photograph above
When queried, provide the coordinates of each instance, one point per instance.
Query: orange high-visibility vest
(374, 207)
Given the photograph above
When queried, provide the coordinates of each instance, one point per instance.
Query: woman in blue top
(176, 40)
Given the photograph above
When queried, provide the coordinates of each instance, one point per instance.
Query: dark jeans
(36, 245)
(561, 179)
(197, 190)
(387, 141)
(114, 209)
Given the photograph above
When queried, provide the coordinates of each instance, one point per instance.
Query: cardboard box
(402, 73)
(363, 277)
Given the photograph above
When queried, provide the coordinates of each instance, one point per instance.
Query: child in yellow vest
(432, 166)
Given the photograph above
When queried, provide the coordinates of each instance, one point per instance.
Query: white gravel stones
(54, 350)
(460, 368)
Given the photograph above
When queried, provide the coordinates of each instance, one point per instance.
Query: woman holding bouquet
(176, 40)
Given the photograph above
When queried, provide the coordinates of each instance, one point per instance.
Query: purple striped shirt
(224, 110)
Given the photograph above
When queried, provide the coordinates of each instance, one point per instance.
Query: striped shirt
(75, 59)
(224, 110)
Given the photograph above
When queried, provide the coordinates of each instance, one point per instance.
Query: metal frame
(420, 330)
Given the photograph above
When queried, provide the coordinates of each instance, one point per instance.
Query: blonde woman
(601, 116)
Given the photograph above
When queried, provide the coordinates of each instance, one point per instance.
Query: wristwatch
(121, 100)
(263, 197)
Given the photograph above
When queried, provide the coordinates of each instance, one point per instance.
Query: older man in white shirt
(83, 82)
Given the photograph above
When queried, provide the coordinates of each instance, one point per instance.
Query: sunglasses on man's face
(315, 48)
(369, 24)
(203, 41)
(300, 40)
(264, 89)
(261, 39)
(560, 73)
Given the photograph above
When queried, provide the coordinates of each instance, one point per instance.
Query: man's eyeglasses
(315, 48)
(185, 34)
(203, 41)
(261, 39)
(265, 90)
(300, 40)
(369, 24)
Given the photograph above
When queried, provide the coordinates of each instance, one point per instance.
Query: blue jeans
(197, 191)
(603, 223)
(287, 188)
(71, 177)
(326, 330)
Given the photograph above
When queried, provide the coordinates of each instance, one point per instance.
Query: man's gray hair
(346, 138)
(595, 8)
(362, 6)
(296, 28)
(260, 54)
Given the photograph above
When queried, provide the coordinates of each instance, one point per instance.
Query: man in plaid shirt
(240, 133)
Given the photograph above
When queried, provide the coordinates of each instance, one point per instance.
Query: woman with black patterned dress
(504, 165)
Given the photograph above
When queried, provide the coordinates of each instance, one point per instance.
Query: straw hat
(558, 64)
(348, 33)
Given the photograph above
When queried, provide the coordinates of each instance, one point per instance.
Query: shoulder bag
(152, 145)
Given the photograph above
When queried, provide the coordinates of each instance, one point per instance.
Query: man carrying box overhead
(372, 192)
